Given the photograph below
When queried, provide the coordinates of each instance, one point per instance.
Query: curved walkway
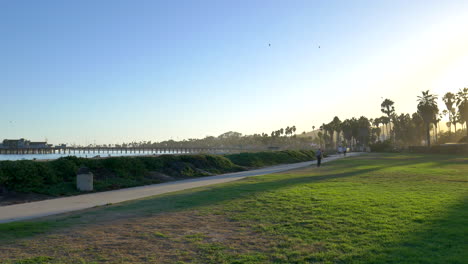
(32, 210)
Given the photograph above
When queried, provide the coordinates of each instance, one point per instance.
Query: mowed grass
(378, 208)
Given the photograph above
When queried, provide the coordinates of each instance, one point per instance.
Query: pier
(121, 150)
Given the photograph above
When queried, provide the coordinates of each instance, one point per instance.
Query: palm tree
(436, 125)
(385, 120)
(387, 108)
(364, 131)
(427, 108)
(328, 130)
(462, 103)
(336, 126)
(376, 122)
(347, 131)
(320, 135)
(354, 130)
(449, 100)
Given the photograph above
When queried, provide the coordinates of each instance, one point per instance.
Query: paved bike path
(32, 210)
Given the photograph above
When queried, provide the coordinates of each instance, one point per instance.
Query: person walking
(319, 155)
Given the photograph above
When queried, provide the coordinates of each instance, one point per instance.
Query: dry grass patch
(186, 236)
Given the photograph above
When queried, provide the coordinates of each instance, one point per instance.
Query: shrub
(152, 163)
(22, 176)
(58, 177)
(260, 159)
(126, 167)
(211, 163)
(381, 146)
(3, 180)
(65, 168)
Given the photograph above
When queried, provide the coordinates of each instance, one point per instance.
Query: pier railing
(122, 150)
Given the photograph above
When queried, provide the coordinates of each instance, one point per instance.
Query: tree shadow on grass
(441, 239)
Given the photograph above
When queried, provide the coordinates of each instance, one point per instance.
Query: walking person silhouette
(319, 156)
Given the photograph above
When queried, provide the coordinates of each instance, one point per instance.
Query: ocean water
(81, 155)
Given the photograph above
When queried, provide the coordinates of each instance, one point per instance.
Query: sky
(114, 71)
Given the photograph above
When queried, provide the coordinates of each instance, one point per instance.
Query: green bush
(59, 189)
(58, 177)
(381, 146)
(3, 180)
(152, 163)
(125, 167)
(210, 163)
(22, 176)
(260, 159)
(65, 168)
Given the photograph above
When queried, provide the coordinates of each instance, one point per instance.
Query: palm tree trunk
(386, 131)
(428, 135)
(438, 125)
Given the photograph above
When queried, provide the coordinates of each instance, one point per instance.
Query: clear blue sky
(113, 71)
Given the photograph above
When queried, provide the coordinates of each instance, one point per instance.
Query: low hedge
(57, 177)
(382, 146)
(260, 159)
(454, 149)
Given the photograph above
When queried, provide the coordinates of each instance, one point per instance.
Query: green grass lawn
(379, 208)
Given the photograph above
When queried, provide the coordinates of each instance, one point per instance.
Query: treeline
(399, 130)
(283, 138)
(402, 130)
(58, 177)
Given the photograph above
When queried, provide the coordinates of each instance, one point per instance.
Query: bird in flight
(269, 44)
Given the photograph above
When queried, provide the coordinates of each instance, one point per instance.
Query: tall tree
(418, 130)
(376, 122)
(346, 127)
(387, 108)
(427, 108)
(449, 100)
(336, 126)
(385, 121)
(328, 131)
(462, 104)
(320, 136)
(364, 131)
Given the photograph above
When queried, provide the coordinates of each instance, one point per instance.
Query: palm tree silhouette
(462, 103)
(449, 100)
(427, 108)
(387, 108)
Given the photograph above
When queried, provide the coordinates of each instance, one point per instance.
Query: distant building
(23, 143)
(37, 145)
(15, 143)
